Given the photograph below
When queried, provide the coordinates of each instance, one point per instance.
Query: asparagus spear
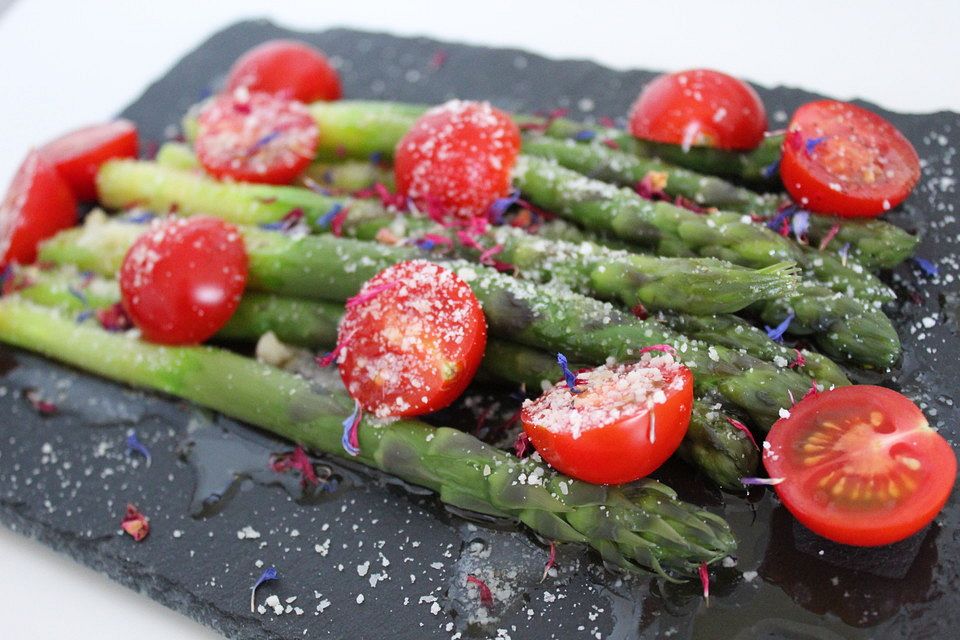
(735, 333)
(345, 176)
(638, 527)
(627, 169)
(758, 166)
(726, 454)
(547, 317)
(665, 228)
(699, 286)
(875, 244)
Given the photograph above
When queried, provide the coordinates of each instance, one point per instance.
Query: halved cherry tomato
(255, 137)
(842, 159)
(458, 157)
(860, 465)
(699, 108)
(288, 68)
(182, 280)
(37, 205)
(78, 155)
(623, 422)
(411, 340)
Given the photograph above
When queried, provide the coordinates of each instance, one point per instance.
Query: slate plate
(371, 559)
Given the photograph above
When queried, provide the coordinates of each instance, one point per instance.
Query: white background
(71, 62)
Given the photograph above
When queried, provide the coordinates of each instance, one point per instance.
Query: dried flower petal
(43, 407)
(486, 596)
(297, 460)
(351, 436)
(640, 311)
(522, 446)
(114, 318)
(135, 524)
(568, 375)
(801, 225)
(551, 560)
(369, 293)
(705, 580)
(776, 333)
(926, 266)
(498, 209)
(771, 170)
(799, 361)
(830, 235)
(584, 135)
(753, 482)
(811, 144)
(268, 575)
(736, 424)
(666, 348)
(135, 446)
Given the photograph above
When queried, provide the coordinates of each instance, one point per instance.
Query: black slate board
(66, 479)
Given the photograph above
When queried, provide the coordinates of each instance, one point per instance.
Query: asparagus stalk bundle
(638, 527)
(844, 327)
(547, 317)
(712, 444)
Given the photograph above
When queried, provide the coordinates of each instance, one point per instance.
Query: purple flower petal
(776, 333)
(927, 267)
(266, 576)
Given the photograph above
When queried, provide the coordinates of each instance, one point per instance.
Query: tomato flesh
(411, 340)
(255, 137)
(860, 465)
(182, 280)
(458, 158)
(604, 436)
(79, 154)
(699, 107)
(842, 159)
(37, 205)
(286, 67)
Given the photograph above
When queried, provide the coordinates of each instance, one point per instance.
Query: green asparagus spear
(637, 527)
(875, 244)
(626, 169)
(546, 317)
(735, 333)
(661, 226)
(758, 166)
(313, 324)
(699, 286)
(346, 176)
(846, 277)
(844, 328)
(125, 183)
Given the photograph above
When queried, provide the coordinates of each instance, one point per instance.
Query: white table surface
(70, 63)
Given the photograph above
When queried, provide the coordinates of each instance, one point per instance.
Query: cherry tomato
(458, 157)
(255, 137)
(37, 205)
(860, 465)
(701, 108)
(839, 158)
(411, 340)
(286, 67)
(182, 280)
(78, 155)
(623, 422)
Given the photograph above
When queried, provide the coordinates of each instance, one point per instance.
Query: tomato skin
(412, 340)
(286, 67)
(38, 204)
(699, 107)
(458, 157)
(619, 452)
(876, 476)
(255, 137)
(182, 280)
(841, 159)
(77, 155)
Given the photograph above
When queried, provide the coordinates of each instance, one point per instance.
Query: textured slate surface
(66, 479)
